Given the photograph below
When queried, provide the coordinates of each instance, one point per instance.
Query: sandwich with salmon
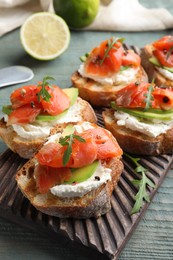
(141, 119)
(74, 173)
(105, 70)
(157, 60)
(35, 109)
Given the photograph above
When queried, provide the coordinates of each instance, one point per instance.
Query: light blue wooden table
(153, 238)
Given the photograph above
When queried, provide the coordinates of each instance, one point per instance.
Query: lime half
(45, 36)
(77, 13)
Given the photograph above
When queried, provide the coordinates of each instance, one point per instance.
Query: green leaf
(7, 110)
(110, 46)
(79, 138)
(141, 195)
(84, 57)
(136, 182)
(142, 184)
(68, 141)
(149, 97)
(67, 154)
(43, 92)
(169, 53)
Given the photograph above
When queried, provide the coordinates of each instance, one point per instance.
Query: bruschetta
(108, 68)
(34, 110)
(74, 173)
(157, 60)
(141, 119)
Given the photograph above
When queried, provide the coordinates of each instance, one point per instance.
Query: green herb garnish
(7, 110)
(169, 53)
(43, 92)
(149, 97)
(84, 57)
(142, 184)
(68, 141)
(110, 45)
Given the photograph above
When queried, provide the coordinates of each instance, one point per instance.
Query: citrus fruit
(77, 13)
(45, 36)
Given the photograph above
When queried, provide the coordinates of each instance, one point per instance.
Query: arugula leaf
(43, 92)
(169, 53)
(68, 141)
(110, 46)
(7, 110)
(149, 97)
(141, 184)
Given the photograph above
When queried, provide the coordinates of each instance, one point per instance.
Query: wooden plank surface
(153, 238)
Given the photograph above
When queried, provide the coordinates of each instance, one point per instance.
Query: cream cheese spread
(79, 128)
(122, 77)
(152, 129)
(40, 129)
(100, 176)
(167, 74)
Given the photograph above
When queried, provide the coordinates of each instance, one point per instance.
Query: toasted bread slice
(102, 94)
(151, 69)
(136, 142)
(93, 204)
(26, 148)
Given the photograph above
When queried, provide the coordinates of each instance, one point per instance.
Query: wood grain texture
(109, 233)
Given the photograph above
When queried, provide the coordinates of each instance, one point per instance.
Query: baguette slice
(151, 69)
(136, 142)
(101, 94)
(26, 148)
(93, 204)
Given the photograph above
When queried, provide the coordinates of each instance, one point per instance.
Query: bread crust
(151, 69)
(136, 142)
(26, 148)
(93, 204)
(98, 94)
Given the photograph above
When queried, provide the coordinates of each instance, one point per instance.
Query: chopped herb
(142, 184)
(169, 53)
(110, 46)
(43, 92)
(84, 57)
(149, 97)
(7, 110)
(68, 141)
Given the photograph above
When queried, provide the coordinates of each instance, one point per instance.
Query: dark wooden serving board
(107, 234)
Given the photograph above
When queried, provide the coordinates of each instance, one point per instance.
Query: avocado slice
(84, 173)
(73, 94)
(169, 69)
(155, 61)
(149, 114)
(68, 130)
(46, 118)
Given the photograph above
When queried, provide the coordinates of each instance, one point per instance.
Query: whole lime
(77, 13)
